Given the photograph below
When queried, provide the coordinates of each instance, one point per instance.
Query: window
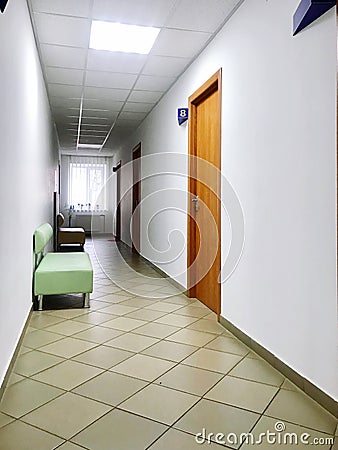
(87, 185)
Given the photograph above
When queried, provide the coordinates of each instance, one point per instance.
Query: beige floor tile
(243, 393)
(228, 345)
(66, 415)
(179, 300)
(69, 446)
(156, 330)
(193, 311)
(217, 418)
(38, 338)
(212, 360)
(103, 357)
(116, 298)
(137, 302)
(20, 436)
(268, 424)
(5, 420)
(144, 367)
(69, 327)
(97, 305)
(164, 307)
(178, 440)
(289, 386)
(298, 408)
(191, 337)
(176, 320)
(34, 362)
(23, 350)
(67, 375)
(189, 379)
(67, 313)
(207, 326)
(22, 397)
(126, 432)
(146, 314)
(160, 403)
(210, 316)
(132, 342)
(124, 323)
(67, 347)
(111, 388)
(119, 309)
(14, 378)
(41, 320)
(94, 318)
(98, 334)
(257, 370)
(172, 351)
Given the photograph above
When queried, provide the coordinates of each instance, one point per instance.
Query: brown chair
(70, 238)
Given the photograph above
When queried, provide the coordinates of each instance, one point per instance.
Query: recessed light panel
(118, 37)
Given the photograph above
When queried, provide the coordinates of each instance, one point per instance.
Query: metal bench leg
(40, 302)
(86, 300)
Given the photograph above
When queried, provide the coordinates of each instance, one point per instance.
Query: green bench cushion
(42, 236)
(64, 273)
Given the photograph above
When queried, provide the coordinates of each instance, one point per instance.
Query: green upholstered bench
(60, 273)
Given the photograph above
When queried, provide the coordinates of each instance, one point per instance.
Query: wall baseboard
(15, 356)
(302, 383)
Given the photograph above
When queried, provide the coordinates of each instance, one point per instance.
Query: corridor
(144, 368)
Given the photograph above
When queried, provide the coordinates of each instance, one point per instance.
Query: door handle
(195, 201)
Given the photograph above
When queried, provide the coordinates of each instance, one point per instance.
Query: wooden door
(136, 199)
(204, 238)
(118, 202)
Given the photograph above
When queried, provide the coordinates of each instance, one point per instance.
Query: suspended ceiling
(100, 97)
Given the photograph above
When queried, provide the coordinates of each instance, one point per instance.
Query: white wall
(29, 157)
(278, 152)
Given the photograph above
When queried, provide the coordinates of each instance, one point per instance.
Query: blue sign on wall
(308, 11)
(182, 115)
(3, 4)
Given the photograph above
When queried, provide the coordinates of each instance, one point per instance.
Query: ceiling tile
(64, 7)
(65, 102)
(110, 79)
(188, 14)
(105, 94)
(126, 115)
(64, 90)
(153, 83)
(115, 61)
(181, 43)
(75, 31)
(100, 114)
(64, 76)
(138, 107)
(103, 103)
(137, 12)
(91, 140)
(57, 55)
(165, 66)
(145, 96)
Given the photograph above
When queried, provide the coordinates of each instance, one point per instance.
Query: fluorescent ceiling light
(96, 146)
(118, 37)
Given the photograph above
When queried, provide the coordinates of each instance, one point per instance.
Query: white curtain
(87, 183)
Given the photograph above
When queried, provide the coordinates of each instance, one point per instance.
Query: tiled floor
(145, 368)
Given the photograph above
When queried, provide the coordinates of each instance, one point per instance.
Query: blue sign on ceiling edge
(308, 11)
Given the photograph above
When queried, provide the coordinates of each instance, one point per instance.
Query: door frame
(136, 196)
(117, 170)
(214, 83)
